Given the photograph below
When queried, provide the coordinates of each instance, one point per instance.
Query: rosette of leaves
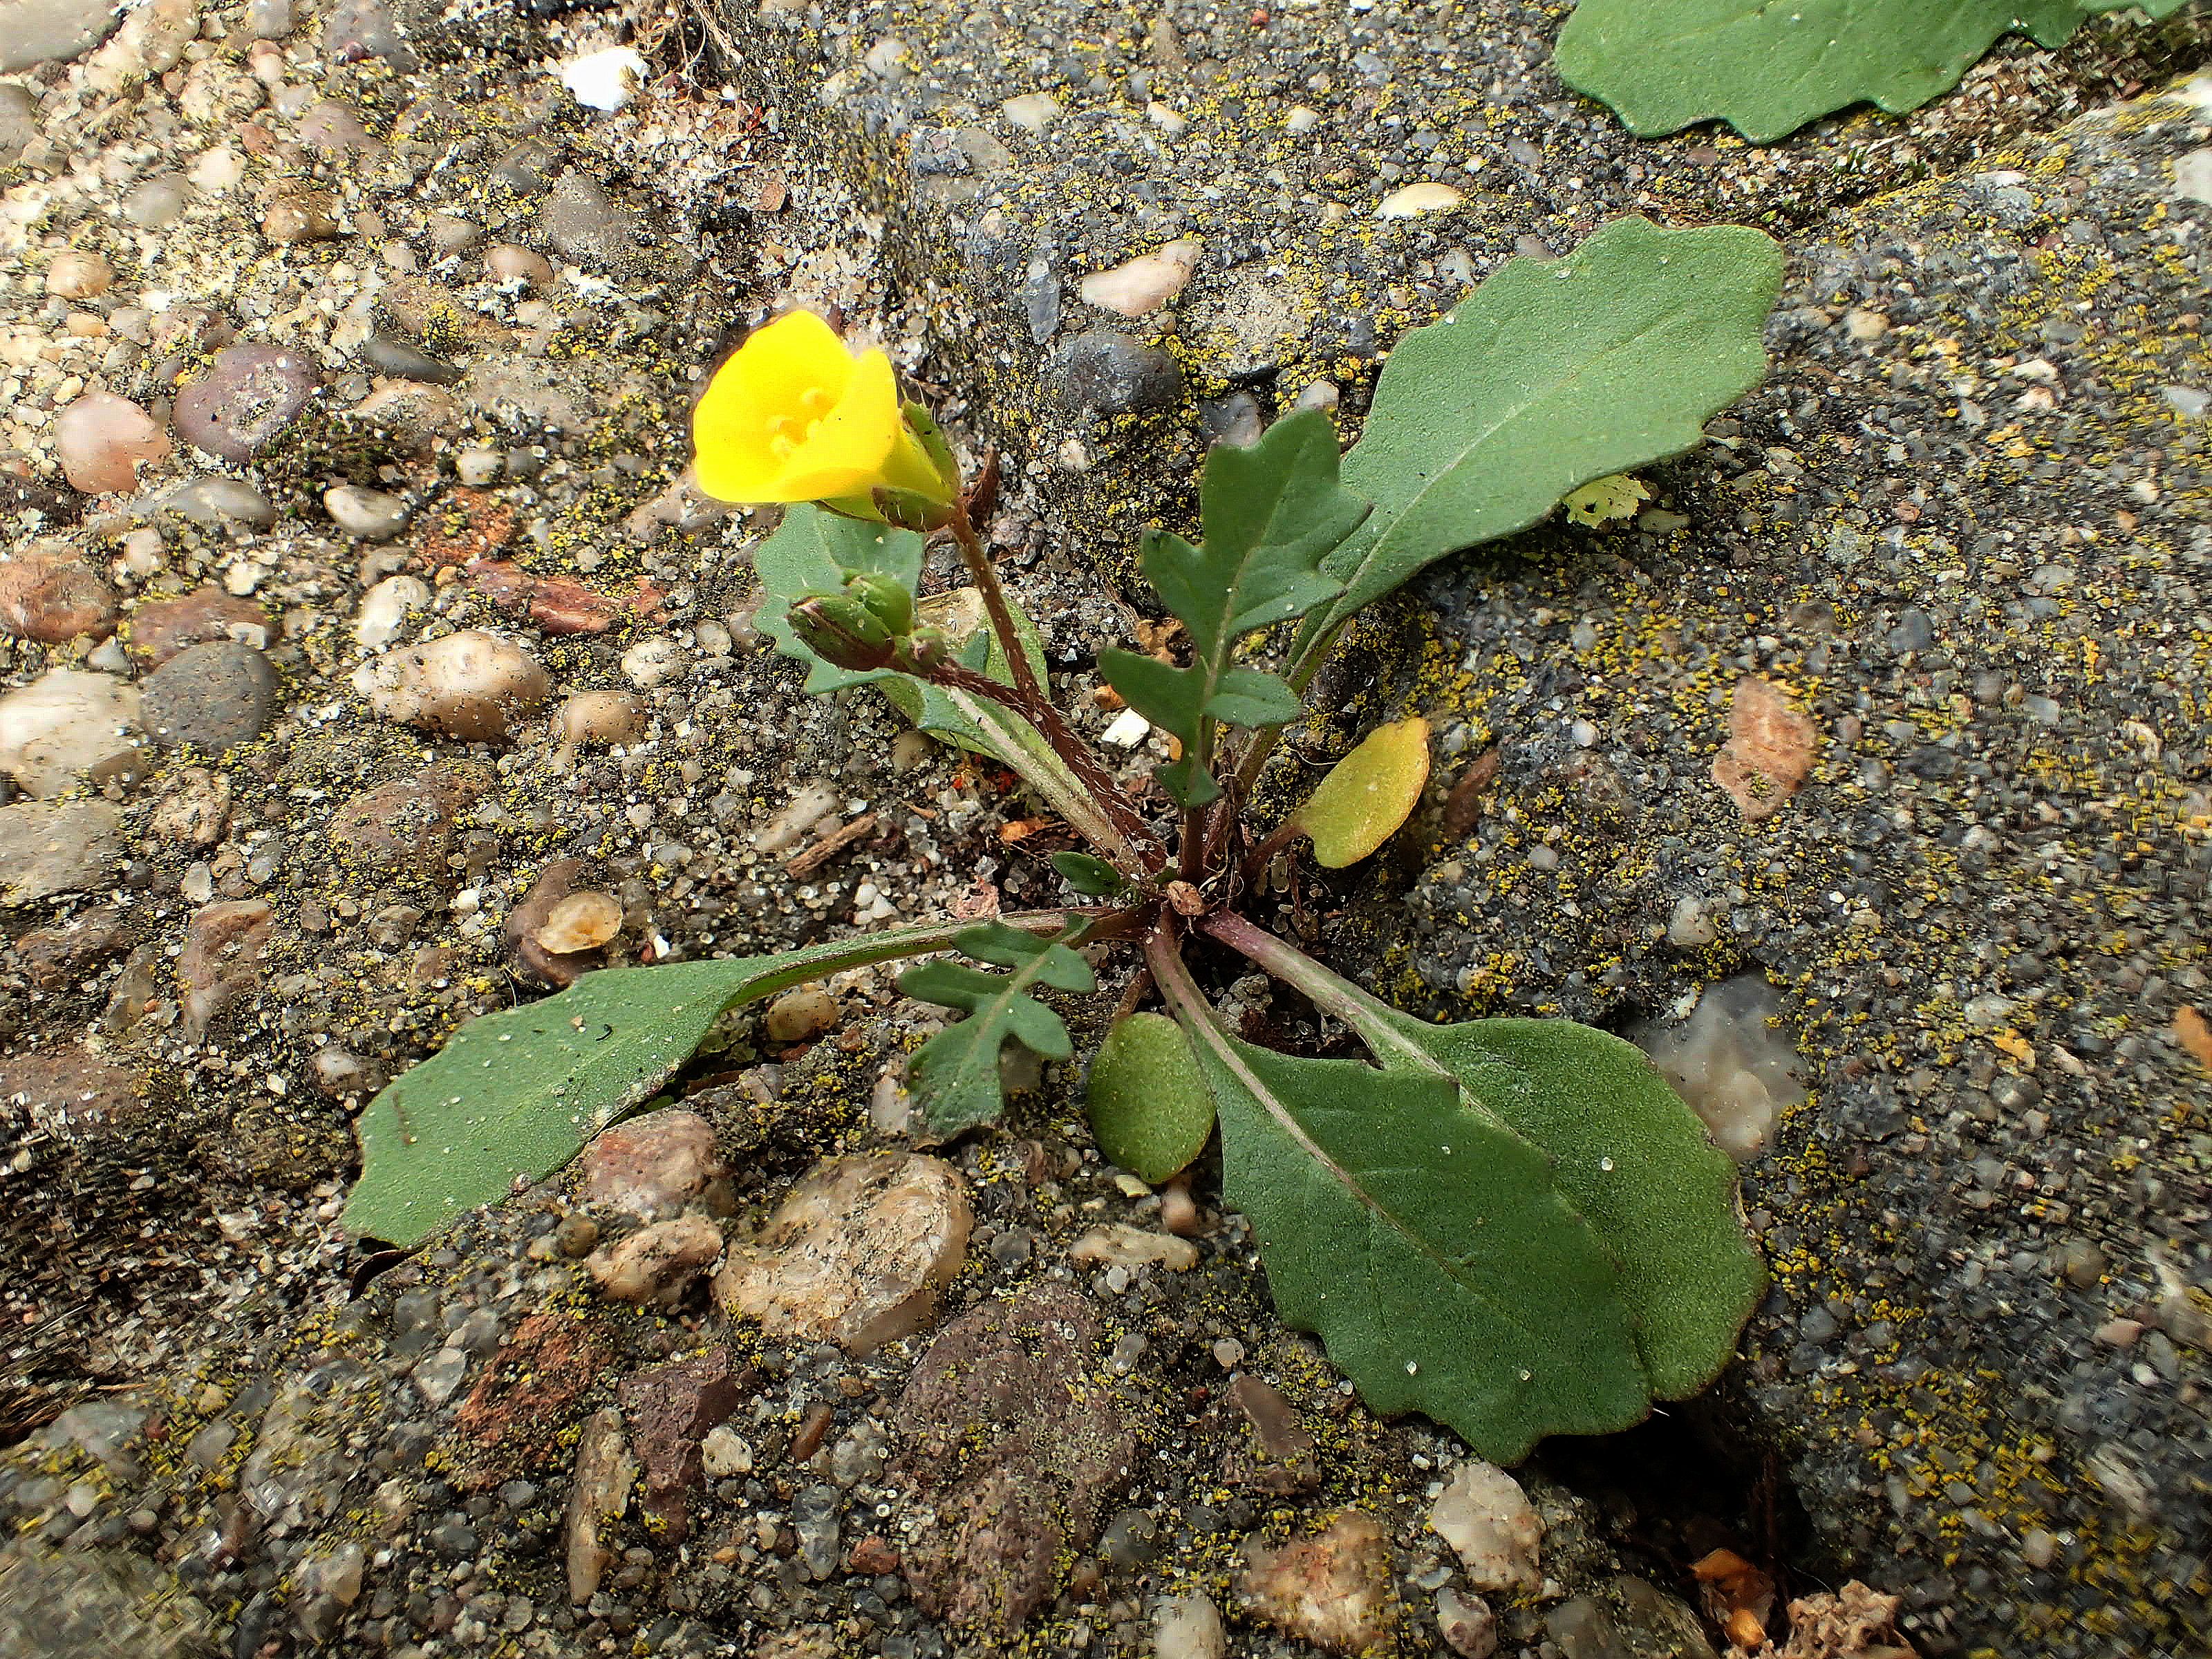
(1512, 1226)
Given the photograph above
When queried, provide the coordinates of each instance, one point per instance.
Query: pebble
(1331, 1589)
(598, 717)
(652, 1165)
(158, 202)
(1144, 284)
(247, 397)
(220, 965)
(606, 80)
(814, 801)
(216, 501)
(581, 922)
(598, 1493)
(1731, 1061)
(1493, 1529)
(333, 129)
(212, 697)
(160, 629)
(652, 662)
(67, 725)
(76, 274)
(19, 120)
(53, 598)
(405, 826)
(1032, 112)
(1409, 201)
(588, 228)
(102, 440)
(470, 686)
(1189, 1627)
(388, 353)
(725, 1452)
(1467, 1623)
(559, 879)
(657, 1263)
(51, 31)
(1111, 373)
(50, 848)
(856, 1254)
(1113, 1244)
(1769, 752)
(802, 1015)
(386, 607)
(509, 262)
(373, 515)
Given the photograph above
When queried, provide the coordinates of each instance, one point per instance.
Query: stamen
(782, 447)
(815, 401)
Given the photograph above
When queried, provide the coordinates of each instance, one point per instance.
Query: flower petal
(845, 454)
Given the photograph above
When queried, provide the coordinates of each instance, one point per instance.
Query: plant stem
(1074, 752)
(986, 577)
(1332, 993)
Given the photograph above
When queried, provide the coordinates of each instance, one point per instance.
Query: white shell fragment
(605, 80)
(1144, 284)
(1410, 200)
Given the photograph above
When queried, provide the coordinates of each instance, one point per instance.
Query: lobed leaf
(1425, 1242)
(955, 1074)
(1767, 69)
(514, 1094)
(1552, 373)
(1272, 511)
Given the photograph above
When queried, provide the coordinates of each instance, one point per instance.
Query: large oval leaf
(1422, 1239)
(1554, 372)
(513, 1096)
(1631, 1157)
(1766, 69)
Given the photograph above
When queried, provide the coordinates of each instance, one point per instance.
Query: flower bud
(886, 597)
(843, 632)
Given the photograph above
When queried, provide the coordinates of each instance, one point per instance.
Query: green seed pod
(928, 648)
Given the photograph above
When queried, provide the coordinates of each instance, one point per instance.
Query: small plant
(1511, 1224)
(1767, 69)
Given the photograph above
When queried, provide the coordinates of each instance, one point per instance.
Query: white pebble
(605, 80)
(384, 610)
(470, 686)
(1412, 199)
(64, 725)
(652, 662)
(1126, 730)
(1144, 284)
(1033, 111)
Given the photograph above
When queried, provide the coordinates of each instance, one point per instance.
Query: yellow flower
(794, 417)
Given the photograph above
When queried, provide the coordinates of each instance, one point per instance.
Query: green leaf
(513, 1096)
(1149, 1107)
(955, 1074)
(1629, 1154)
(1092, 877)
(1767, 69)
(1272, 513)
(1550, 374)
(1425, 1242)
(1368, 794)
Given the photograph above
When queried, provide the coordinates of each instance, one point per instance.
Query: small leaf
(1272, 513)
(1766, 69)
(955, 1075)
(1615, 496)
(1629, 1154)
(1149, 1107)
(1368, 794)
(1424, 1243)
(514, 1094)
(1092, 877)
(1552, 373)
